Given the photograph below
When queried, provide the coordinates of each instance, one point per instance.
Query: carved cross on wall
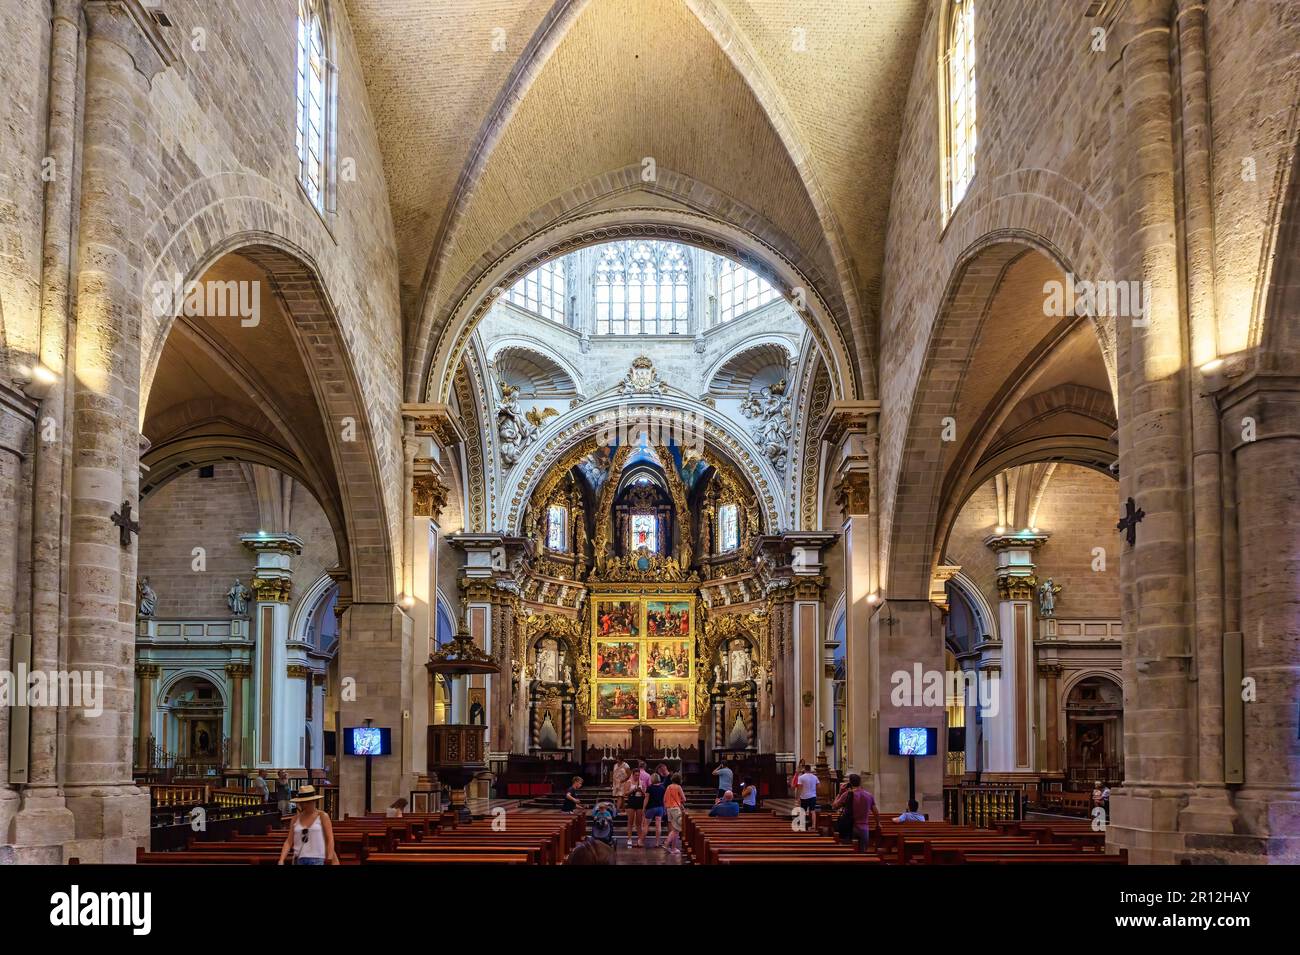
(1129, 522)
(123, 520)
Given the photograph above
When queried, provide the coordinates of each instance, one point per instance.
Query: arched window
(541, 291)
(557, 520)
(740, 290)
(728, 528)
(642, 288)
(959, 100)
(313, 101)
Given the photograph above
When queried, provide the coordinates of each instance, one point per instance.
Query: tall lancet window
(642, 288)
(557, 521)
(959, 101)
(313, 101)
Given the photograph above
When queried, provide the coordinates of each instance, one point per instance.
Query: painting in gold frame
(636, 657)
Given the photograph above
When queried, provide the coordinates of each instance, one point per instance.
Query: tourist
(602, 822)
(572, 802)
(912, 815)
(726, 805)
(638, 783)
(725, 777)
(282, 792)
(662, 770)
(620, 777)
(806, 785)
(654, 809)
(310, 836)
(260, 786)
(396, 810)
(860, 806)
(674, 804)
(748, 797)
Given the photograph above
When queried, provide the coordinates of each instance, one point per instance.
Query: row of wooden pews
(757, 838)
(763, 838)
(422, 839)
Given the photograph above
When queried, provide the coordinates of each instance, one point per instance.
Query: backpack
(602, 826)
(844, 824)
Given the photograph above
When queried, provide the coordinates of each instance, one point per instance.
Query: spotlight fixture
(40, 382)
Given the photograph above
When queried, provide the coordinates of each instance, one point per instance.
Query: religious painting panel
(618, 618)
(668, 659)
(668, 618)
(618, 701)
(668, 700)
(618, 659)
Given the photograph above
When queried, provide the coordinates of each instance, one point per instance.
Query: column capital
(148, 671)
(1013, 586)
(136, 30)
(237, 670)
(1029, 541)
(297, 671)
(289, 545)
(428, 495)
(845, 417)
(435, 420)
(270, 589)
(938, 584)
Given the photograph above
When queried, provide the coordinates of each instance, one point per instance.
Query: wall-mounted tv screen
(367, 741)
(913, 741)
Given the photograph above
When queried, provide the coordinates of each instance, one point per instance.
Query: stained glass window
(728, 528)
(557, 520)
(645, 533)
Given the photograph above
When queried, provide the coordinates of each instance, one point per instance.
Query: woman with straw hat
(311, 836)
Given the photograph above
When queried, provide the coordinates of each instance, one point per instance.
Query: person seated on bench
(726, 806)
(571, 801)
(396, 810)
(911, 815)
(311, 836)
(748, 797)
(858, 804)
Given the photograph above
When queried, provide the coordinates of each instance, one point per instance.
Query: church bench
(932, 849)
(203, 858)
(433, 857)
(532, 853)
(1045, 858)
(814, 858)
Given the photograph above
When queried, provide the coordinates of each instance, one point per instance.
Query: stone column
(124, 50)
(1051, 674)
(805, 551)
(1268, 530)
(237, 675)
(15, 643)
(851, 430)
(429, 497)
(375, 666)
(297, 688)
(277, 721)
(1012, 733)
(147, 679)
(1160, 725)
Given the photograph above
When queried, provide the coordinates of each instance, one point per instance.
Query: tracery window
(541, 291)
(959, 72)
(557, 522)
(740, 290)
(642, 288)
(313, 100)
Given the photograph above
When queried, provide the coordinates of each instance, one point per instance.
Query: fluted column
(124, 50)
(277, 723)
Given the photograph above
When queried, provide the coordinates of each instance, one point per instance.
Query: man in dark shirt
(571, 801)
(726, 806)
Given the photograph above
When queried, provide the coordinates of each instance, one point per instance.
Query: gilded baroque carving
(429, 496)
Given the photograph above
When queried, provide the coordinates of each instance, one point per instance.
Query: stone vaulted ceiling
(787, 108)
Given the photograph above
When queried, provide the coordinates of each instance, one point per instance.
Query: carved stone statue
(516, 428)
(1047, 592)
(568, 673)
(772, 428)
(717, 674)
(548, 666)
(237, 598)
(738, 663)
(147, 598)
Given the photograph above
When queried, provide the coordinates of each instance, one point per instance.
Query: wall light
(407, 601)
(40, 382)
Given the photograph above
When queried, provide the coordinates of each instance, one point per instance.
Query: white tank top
(314, 847)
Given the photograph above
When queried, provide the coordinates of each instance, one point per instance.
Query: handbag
(844, 824)
(636, 798)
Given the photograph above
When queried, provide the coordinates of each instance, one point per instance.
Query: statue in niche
(717, 674)
(237, 599)
(771, 429)
(548, 664)
(1047, 592)
(738, 662)
(146, 597)
(568, 673)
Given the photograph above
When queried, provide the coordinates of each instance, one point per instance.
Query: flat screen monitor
(367, 741)
(913, 741)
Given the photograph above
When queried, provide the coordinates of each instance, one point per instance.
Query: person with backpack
(860, 808)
